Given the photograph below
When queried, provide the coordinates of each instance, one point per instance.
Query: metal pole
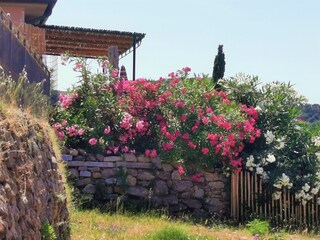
(134, 57)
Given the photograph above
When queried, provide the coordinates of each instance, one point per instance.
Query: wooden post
(113, 56)
(134, 43)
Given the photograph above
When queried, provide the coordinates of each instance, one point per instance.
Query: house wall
(16, 13)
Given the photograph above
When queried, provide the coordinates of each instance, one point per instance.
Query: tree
(219, 66)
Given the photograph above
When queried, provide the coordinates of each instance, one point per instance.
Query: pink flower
(207, 95)
(153, 153)
(56, 126)
(140, 126)
(80, 132)
(205, 151)
(64, 123)
(179, 104)
(78, 66)
(104, 64)
(107, 130)
(183, 91)
(196, 177)
(115, 73)
(205, 120)
(191, 145)
(147, 152)
(167, 146)
(185, 136)
(181, 170)
(183, 117)
(60, 135)
(209, 110)
(93, 141)
(186, 69)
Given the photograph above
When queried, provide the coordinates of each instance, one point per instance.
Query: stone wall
(31, 186)
(138, 178)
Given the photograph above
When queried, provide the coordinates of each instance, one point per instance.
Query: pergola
(90, 43)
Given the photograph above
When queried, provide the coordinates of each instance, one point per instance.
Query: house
(25, 39)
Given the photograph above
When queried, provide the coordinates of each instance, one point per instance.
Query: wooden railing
(32, 38)
(249, 197)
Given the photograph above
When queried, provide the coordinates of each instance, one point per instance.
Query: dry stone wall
(141, 179)
(31, 186)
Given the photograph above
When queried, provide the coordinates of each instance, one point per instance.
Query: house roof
(87, 42)
(36, 11)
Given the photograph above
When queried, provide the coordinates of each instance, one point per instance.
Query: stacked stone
(31, 186)
(136, 176)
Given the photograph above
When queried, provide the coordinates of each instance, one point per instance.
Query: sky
(277, 40)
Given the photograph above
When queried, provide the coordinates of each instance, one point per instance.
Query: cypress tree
(219, 66)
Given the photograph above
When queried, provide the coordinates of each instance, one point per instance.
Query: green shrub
(48, 232)
(258, 226)
(169, 233)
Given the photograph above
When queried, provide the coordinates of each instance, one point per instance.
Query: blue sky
(275, 40)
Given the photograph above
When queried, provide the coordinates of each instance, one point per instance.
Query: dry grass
(87, 225)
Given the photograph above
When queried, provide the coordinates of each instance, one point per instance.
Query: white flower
(316, 141)
(271, 158)
(318, 200)
(259, 170)
(276, 195)
(304, 202)
(258, 108)
(306, 187)
(269, 137)
(315, 190)
(265, 176)
(250, 164)
(318, 155)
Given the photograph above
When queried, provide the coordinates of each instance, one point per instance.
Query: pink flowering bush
(181, 118)
(197, 122)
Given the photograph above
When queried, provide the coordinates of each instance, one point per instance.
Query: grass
(86, 225)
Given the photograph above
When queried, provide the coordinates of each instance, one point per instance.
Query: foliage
(310, 112)
(288, 152)
(219, 65)
(258, 226)
(48, 232)
(23, 94)
(182, 118)
(169, 233)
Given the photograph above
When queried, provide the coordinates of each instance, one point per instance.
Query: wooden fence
(249, 197)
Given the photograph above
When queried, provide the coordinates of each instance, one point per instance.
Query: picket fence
(250, 198)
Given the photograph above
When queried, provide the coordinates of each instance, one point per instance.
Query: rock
(138, 191)
(83, 182)
(111, 181)
(145, 176)
(79, 158)
(177, 207)
(135, 165)
(170, 200)
(54, 160)
(211, 176)
(94, 169)
(167, 167)
(192, 203)
(89, 189)
(67, 157)
(85, 174)
(91, 157)
(161, 188)
(96, 175)
(2, 230)
(156, 162)
(100, 157)
(163, 175)
(82, 152)
(74, 152)
(132, 181)
(181, 186)
(143, 158)
(108, 173)
(198, 192)
(83, 168)
(186, 194)
(130, 157)
(73, 172)
(214, 205)
(132, 172)
(112, 159)
(216, 185)
(175, 175)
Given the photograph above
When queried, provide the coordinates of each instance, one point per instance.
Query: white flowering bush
(287, 155)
